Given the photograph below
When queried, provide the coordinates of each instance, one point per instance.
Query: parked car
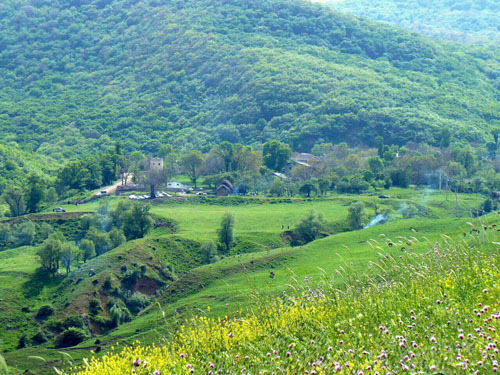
(103, 192)
(202, 193)
(58, 209)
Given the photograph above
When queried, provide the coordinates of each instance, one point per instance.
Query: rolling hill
(457, 20)
(78, 75)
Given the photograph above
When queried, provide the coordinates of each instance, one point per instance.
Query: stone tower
(156, 164)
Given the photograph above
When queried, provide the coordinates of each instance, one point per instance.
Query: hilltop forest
(77, 75)
(470, 21)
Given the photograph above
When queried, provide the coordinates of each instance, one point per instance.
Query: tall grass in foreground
(436, 312)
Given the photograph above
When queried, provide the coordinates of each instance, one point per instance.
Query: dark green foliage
(44, 312)
(60, 325)
(14, 198)
(116, 237)
(246, 71)
(100, 239)
(137, 221)
(35, 192)
(130, 279)
(94, 306)
(355, 215)
(208, 252)
(71, 337)
(309, 227)
(137, 302)
(225, 233)
(23, 340)
(39, 338)
(275, 155)
(87, 249)
(457, 20)
(119, 313)
(50, 252)
(355, 184)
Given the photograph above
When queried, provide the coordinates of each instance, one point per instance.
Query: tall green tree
(13, 196)
(50, 253)
(225, 233)
(191, 162)
(87, 249)
(35, 192)
(275, 155)
(137, 221)
(225, 150)
(355, 214)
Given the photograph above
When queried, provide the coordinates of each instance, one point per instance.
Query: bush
(130, 279)
(120, 314)
(309, 227)
(39, 338)
(44, 312)
(71, 337)
(94, 306)
(137, 302)
(355, 214)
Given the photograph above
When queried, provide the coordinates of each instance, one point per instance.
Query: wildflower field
(429, 313)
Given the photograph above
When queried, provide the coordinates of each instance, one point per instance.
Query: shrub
(355, 214)
(94, 306)
(71, 337)
(310, 227)
(120, 314)
(44, 312)
(137, 302)
(130, 279)
(39, 338)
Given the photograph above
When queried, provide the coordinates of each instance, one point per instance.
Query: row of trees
(102, 232)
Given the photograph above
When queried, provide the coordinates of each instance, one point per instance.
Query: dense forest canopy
(76, 75)
(472, 21)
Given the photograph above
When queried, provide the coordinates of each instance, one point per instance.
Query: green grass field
(231, 284)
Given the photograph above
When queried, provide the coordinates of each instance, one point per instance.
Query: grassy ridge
(395, 322)
(231, 284)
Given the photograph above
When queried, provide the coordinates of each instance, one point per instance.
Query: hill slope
(75, 75)
(457, 20)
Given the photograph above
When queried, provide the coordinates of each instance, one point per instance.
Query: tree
(445, 138)
(191, 163)
(225, 151)
(25, 233)
(51, 195)
(310, 226)
(137, 221)
(14, 198)
(276, 155)
(154, 178)
(307, 187)
(208, 252)
(277, 188)
(69, 253)
(225, 232)
(100, 240)
(116, 237)
(50, 253)
(35, 192)
(355, 213)
(87, 249)
(492, 149)
(323, 185)
(376, 165)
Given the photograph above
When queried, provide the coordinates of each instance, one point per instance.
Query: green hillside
(471, 21)
(77, 75)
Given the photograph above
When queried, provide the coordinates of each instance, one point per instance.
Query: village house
(224, 189)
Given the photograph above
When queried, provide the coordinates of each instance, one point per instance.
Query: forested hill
(472, 21)
(76, 75)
